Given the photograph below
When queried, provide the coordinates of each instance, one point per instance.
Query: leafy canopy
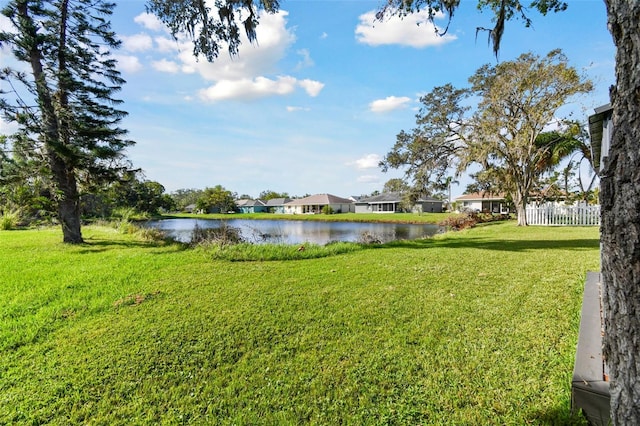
(502, 11)
(516, 100)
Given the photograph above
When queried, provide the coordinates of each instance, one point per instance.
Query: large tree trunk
(521, 207)
(69, 200)
(620, 231)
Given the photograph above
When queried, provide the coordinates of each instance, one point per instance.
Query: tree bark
(520, 202)
(69, 200)
(620, 229)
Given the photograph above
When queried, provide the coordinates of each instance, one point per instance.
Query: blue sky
(318, 101)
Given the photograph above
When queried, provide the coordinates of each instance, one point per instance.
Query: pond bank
(405, 218)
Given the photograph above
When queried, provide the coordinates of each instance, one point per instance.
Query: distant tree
(217, 198)
(64, 105)
(517, 99)
(395, 185)
(149, 197)
(185, 197)
(270, 195)
(130, 192)
(446, 186)
(23, 188)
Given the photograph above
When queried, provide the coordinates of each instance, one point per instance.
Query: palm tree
(559, 146)
(450, 180)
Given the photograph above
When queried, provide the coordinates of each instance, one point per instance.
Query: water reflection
(298, 231)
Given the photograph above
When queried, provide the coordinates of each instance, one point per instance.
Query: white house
(484, 202)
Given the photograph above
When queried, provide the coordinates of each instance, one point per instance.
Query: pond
(299, 231)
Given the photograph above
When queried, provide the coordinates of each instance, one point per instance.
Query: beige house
(315, 203)
(484, 202)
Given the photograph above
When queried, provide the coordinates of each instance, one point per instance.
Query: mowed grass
(476, 327)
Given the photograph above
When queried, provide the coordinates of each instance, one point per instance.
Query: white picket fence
(553, 215)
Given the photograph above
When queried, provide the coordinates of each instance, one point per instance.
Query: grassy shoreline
(409, 218)
(475, 327)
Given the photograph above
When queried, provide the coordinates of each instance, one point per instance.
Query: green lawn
(476, 327)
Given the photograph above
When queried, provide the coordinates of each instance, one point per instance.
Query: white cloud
(254, 59)
(8, 128)
(166, 44)
(312, 87)
(128, 63)
(296, 108)
(150, 22)
(137, 43)
(413, 30)
(323, 36)
(164, 65)
(305, 61)
(246, 89)
(369, 161)
(6, 24)
(249, 75)
(389, 103)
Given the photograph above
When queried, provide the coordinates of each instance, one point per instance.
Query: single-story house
(391, 202)
(315, 203)
(251, 206)
(276, 205)
(428, 205)
(484, 202)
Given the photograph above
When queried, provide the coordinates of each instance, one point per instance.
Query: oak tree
(517, 100)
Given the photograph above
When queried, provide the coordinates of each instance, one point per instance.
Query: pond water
(298, 231)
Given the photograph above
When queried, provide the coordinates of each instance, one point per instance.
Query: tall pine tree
(64, 104)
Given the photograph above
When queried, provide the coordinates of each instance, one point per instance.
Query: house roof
(319, 199)
(480, 196)
(393, 197)
(249, 203)
(385, 197)
(277, 202)
(429, 199)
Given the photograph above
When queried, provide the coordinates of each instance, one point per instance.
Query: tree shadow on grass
(98, 245)
(486, 243)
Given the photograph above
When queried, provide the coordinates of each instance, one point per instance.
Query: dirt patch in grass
(134, 299)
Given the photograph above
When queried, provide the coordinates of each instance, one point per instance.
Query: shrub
(224, 235)
(327, 210)
(9, 220)
(369, 238)
(152, 234)
(469, 220)
(456, 223)
(124, 213)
